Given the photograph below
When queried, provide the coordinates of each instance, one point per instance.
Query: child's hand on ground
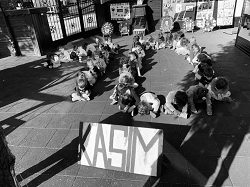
(177, 112)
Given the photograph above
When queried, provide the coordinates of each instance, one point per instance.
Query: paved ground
(42, 123)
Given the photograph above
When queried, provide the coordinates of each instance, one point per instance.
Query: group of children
(178, 102)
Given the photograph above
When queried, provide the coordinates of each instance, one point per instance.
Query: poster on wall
(178, 9)
(120, 11)
(204, 9)
(225, 13)
(244, 30)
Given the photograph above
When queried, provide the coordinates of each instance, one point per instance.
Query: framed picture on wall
(189, 8)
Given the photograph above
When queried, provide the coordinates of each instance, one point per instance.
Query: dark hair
(136, 38)
(181, 98)
(127, 99)
(221, 83)
(138, 44)
(89, 53)
(123, 60)
(184, 42)
(169, 36)
(200, 93)
(208, 71)
(203, 58)
(84, 45)
(7, 159)
(143, 108)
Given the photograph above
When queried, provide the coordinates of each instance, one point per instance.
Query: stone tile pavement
(41, 123)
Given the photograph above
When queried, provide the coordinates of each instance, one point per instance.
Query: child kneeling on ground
(198, 94)
(149, 104)
(127, 98)
(176, 104)
(219, 90)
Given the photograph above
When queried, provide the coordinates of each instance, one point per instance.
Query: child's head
(90, 64)
(221, 84)
(184, 42)
(203, 58)
(84, 45)
(123, 60)
(61, 49)
(82, 83)
(169, 36)
(132, 56)
(180, 98)
(196, 48)
(143, 108)
(200, 93)
(141, 36)
(97, 55)
(136, 38)
(138, 46)
(208, 72)
(89, 53)
(127, 100)
(160, 35)
(75, 48)
(150, 38)
(192, 40)
(126, 80)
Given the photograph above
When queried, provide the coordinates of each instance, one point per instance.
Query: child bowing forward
(149, 104)
(127, 98)
(176, 104)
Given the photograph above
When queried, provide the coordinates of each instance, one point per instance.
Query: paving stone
(37, 138)
(91, 182)
(33, 159)
(85, 118)
(93, 172)
(237, 168)
(18, 152)
(77, 107)
(118, 119)
(70, 142)
(166, 119)
(18, 135)
(62, 121)
(44, 180)
(92, 107)
(130, 183)
(39, 120)
(57, 138)
(199, 144)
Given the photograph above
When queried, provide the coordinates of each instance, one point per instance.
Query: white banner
(123, 148)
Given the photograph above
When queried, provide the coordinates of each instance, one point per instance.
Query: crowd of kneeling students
(178, 102)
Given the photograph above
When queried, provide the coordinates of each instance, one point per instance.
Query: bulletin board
(204, 9)
(179, 9)
(120, 11)
(225, 12)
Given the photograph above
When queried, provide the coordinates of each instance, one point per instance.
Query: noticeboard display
(244, 28)
(205, 9)
(225, 12)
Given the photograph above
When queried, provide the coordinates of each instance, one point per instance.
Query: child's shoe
(183, 115)
(209, 110)
(152, 114)
(113, 102)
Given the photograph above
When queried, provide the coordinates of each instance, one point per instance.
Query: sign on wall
(123, 148)
(225, 12)
(120, 11)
